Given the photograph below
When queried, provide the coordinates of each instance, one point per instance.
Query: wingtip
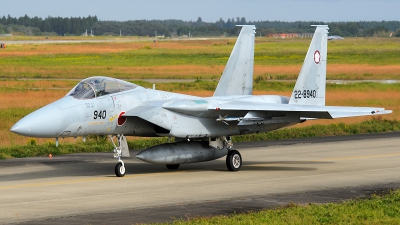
(381, 112)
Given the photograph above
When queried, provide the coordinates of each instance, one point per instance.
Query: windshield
(94, 87)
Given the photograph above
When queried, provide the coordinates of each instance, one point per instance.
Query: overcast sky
(208, 10)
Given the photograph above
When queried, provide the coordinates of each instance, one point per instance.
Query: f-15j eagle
(202, 127)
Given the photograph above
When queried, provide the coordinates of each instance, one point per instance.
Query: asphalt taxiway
(82, 188)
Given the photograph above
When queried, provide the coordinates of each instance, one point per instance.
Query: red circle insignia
(317, 57)
(121, 120)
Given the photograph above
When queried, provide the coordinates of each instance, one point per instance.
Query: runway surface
(82, 188)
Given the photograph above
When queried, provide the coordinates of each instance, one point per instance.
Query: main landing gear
(120, 151)
(233, 158)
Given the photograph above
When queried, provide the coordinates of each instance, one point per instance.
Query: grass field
(276, 59)
(376, 210)
(353, 58)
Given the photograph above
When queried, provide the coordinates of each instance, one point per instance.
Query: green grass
(93, 144)
(129, 58)
(375, 210)
(372, 51)
(364, 86)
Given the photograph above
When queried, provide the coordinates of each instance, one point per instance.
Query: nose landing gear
(120, 151)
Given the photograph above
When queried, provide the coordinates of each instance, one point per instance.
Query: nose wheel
(120, 169)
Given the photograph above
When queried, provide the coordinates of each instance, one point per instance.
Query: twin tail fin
(237, 78)
(311, 83)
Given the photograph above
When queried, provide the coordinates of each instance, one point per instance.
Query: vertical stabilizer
(237, 78)
(310, 85)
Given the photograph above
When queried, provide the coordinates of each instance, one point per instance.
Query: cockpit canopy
(94, 87)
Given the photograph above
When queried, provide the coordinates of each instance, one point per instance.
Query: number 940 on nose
(99, 114)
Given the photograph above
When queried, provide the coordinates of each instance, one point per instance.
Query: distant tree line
(58, 25)
(78, 25)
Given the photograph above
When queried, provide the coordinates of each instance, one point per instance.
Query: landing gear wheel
(172, 166)
(120, 170)
(233, 160)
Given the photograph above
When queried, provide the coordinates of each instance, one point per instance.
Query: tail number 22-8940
(305, 94)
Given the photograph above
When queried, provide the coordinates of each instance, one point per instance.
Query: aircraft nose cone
(15, 129)
(44, 122)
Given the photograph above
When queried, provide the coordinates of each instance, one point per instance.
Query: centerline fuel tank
(181, 153)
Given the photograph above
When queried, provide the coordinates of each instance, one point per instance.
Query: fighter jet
(202, 127)
(335, 37)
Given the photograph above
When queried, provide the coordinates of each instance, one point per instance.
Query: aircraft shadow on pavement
(219, 166)
(74, 167)
(279, 165)
(79, 169)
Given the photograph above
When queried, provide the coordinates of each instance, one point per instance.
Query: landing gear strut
(233, 159)
(228, 142)
(120, 167)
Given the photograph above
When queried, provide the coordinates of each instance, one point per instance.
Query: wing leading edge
(306, 111)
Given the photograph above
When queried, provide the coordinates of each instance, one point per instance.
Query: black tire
(233, 160)
(172, 166)
(119, 170)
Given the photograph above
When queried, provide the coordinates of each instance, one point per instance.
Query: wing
(305, 111)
